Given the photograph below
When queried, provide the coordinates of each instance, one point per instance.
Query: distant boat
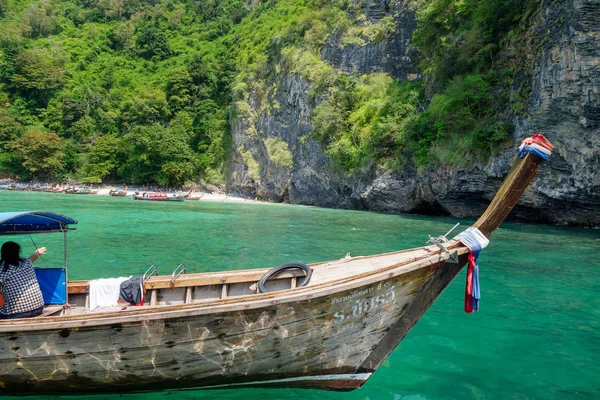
(328, 325)
(80, 190)
(159, 196)
(194, 196)
(118, 192)
(16, 186)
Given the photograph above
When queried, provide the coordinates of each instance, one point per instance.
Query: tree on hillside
(151, 42)
(147, 108)
(8, 126)
(103, 159)
(39, 154)
(178, 89)
(122, 36)
(37, 73)
(39, 18)
(158, 154)
(112, 8)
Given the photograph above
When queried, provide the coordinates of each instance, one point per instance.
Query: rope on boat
(36, 249)
(538, 145)
(475, 241)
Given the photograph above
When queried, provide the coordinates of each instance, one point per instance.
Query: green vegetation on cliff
(457, 114)
(144, 91)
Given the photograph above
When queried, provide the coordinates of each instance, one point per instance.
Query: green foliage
(368, 32)
(178, 88)
(39, 154)
(36, 73)
(158, 154)
(122, 36)
(463, 36)
(39, 19)
(367, 119)
(9, 127)
(4, 7)
(99, 73)
(151, 42)
(313, 69)
(375, 119)
(459, 123)
(148, 107)
(145, 91)
(254, 169)
(103, 159)
(279, 152)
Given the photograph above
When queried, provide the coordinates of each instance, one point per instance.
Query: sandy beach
(194, 196)
(104, 190)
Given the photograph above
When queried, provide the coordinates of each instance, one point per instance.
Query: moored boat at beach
(159, 196)
(15, 186)
(38, 188)
(193, 195)
(80, 190)
(327, 325)
(121, 192)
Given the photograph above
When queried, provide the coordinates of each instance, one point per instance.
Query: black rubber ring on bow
(274, 271)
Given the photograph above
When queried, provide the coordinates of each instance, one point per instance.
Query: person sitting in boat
(18, 283)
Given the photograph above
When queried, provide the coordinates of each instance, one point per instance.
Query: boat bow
(521, 174)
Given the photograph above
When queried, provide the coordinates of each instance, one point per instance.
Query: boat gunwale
(237, 303)
(228, 277)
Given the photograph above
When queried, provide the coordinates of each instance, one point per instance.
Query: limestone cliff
(281, 162)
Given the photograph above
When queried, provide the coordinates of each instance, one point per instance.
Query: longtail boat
(80, 190)
(118, 192)
(159, 196)
(328, 325)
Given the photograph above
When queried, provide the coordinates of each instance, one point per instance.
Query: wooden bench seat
(51, 310)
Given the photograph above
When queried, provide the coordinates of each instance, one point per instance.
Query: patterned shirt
(20, 288)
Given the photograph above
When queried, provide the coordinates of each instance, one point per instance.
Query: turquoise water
(537, 335)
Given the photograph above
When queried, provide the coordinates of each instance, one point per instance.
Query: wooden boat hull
(319, 342)
(160, 198)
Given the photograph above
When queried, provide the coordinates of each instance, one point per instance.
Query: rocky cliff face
(564, 62)
(394, 55)
(564, 105)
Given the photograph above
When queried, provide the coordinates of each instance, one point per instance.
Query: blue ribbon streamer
(476, 293)
(535, 151)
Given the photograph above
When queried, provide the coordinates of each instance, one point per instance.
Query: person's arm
(37, 253)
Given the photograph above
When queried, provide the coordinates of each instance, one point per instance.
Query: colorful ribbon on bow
(475, 241)
(538, 145)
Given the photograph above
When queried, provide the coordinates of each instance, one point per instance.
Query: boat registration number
(364, 301)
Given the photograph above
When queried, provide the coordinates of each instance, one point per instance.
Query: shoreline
(216, 196)
(104, 190)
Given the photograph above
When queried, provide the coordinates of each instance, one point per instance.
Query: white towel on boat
(105, 292)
